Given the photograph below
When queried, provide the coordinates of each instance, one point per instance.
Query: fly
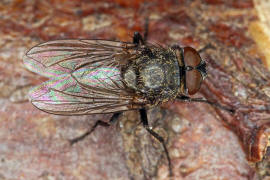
(102, 76)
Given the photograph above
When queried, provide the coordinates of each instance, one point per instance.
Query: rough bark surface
(204, 142)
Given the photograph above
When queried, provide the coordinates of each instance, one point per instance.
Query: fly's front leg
(189, 99)
(98, 123)
(144, 120)
(208, 46)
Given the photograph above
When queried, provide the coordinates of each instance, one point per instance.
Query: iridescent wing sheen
(53, 58)
(85, 77)
(85, 91)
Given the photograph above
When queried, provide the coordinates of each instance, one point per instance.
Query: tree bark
(203, 141)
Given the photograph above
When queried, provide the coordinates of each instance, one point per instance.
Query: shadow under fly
(98, 76)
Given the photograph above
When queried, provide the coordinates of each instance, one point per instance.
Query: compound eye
(193, 81)
(193, 76)
(191, 57)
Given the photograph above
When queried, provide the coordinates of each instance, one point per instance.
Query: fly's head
(192, 70)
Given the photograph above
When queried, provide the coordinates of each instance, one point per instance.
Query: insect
(102, 76)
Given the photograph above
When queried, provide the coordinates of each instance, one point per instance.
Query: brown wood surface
(204, 142)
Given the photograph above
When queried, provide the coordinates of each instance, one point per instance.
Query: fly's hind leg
(98, 123)
(144, 120)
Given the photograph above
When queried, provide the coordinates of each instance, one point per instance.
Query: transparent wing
(85, 77)
(85, 91)
(53, 58)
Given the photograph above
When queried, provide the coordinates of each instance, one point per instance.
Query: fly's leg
(189, 99)
(208, 46)
(144, 120)
(98, 123)
(146, 29)
(138, 39)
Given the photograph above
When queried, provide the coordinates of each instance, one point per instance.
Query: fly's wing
(85, 77)
(85, 91)
(58, 57)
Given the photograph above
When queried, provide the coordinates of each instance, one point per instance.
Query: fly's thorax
(152, 76)
(155, 75)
